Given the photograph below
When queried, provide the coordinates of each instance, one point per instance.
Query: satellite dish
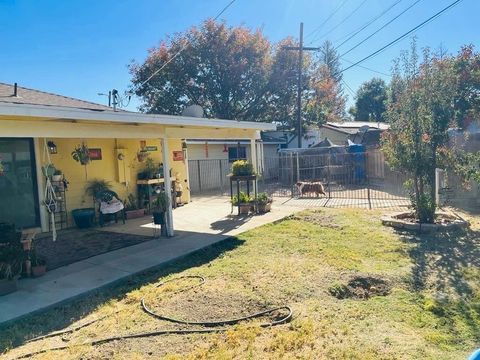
(193, 111)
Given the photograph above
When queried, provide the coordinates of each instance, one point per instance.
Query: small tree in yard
(425, 98)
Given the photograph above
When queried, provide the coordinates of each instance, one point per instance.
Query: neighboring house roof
(352, 127)
(266, 139)
(324, 143)
(36, 97)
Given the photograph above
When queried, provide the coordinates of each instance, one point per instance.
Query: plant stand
(239, 180)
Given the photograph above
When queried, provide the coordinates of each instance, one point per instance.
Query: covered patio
(117, 137)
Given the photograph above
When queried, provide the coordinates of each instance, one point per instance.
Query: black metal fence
(350, 176)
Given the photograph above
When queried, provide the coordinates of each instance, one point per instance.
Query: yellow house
(38, 128)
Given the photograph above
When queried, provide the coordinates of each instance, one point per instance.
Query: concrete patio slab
(199, 224)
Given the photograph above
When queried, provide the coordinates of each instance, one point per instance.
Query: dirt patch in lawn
(361, 287)
(318, 218)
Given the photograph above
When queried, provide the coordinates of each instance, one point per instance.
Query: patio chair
(109, 206)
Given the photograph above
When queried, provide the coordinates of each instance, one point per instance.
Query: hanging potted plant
(242, 168)
(57, 175)
(81, 154)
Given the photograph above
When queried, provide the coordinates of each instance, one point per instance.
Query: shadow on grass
(60, 317)
(440, 260)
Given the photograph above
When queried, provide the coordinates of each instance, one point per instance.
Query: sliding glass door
(18, 188)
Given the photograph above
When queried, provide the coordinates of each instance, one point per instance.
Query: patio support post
(253, 155)
(168, 185)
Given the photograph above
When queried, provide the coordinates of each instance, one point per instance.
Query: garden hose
(213, 326)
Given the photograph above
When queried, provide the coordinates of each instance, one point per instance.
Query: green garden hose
(212, 326)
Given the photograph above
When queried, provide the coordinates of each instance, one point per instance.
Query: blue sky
(81, 47)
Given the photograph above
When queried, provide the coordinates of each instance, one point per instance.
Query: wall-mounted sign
(95, 154)
(178, 156)
(150, 148)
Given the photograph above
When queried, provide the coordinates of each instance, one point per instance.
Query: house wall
(215, 151)
(337, 137)
(109, 168)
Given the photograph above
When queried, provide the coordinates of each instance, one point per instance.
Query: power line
(401, 37)
(319, 27)
(178, 52)
(381, 28)
(348, 88)
(339, 24)
(367, 24)
(367, 68)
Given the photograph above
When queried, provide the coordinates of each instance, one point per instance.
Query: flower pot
(244, 208)
(158, 218)
(27, 244)
(264, 208)
(84, 218)
(57, 178)
(7, 286)
(39, 270)
(134, 214)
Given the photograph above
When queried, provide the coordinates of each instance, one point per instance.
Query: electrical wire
(177, 53)
(354, 33)
(404, 35)
(319, 27)
(367, 68)
(209, 326)
(339, 24)
(381, 28)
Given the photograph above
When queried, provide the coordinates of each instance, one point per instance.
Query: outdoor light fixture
(184, 145)
(52, 147)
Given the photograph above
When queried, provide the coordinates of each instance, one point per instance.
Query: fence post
(199, 176)
(367, 177)
(221, 175)
(298, 169)
(291, 175)
(328, 177)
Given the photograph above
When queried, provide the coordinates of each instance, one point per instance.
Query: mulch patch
(73, 245)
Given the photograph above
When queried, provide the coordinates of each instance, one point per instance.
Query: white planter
(57, 177)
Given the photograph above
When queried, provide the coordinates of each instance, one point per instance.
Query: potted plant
(159, 209)
(264, 202)
(11, 258)
(81, 154)
(57, 175)
(243, 201)
(242, 168)
(85, 217)
(142, 155)
(132, 210)
(38, 264)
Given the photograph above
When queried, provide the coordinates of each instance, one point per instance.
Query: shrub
(263, 198)
(242, 168)
(244, 198)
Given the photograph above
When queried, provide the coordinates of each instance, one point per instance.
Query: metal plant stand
(243, 179)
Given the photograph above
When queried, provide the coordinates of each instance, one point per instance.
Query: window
(237, 153)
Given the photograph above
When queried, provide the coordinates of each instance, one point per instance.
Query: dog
(305, 187)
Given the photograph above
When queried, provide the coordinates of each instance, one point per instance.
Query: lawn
(432, 310)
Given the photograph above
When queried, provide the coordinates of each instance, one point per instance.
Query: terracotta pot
(264, 208)
(134, 214)
(7, 286)
(245, 208)
(27, 244)
(39, 270)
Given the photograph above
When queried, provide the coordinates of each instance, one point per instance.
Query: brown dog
(310, 188)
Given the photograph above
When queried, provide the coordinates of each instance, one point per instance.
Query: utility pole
(300, 50)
